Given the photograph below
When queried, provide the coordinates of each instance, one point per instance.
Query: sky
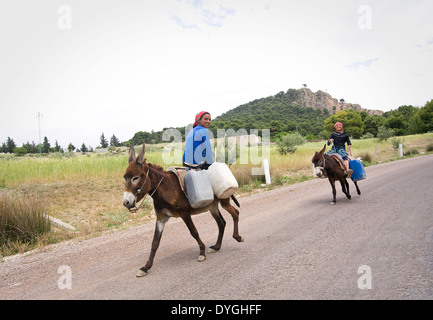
(117, 67)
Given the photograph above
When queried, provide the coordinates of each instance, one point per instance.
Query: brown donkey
(169, 200)
(328, 166)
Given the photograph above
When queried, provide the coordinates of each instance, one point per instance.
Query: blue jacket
(197, 147)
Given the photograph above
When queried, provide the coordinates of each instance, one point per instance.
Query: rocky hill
(295, 110)
(322, 100)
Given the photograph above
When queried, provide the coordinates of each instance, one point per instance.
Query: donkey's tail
(235, 201)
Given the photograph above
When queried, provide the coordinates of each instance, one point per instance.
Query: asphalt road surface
(297, 246)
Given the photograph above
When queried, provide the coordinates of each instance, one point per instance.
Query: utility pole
(40, 142)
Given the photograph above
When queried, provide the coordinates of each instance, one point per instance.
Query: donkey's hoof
(332, 202)
(238, 238)
(212, 250)
(141, 273)
(201, 258)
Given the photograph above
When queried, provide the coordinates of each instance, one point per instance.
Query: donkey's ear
(131, 153)
(316, 155)
(140, 159)
(323, 150)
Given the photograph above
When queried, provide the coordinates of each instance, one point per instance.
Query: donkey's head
(319, 163)
(137, 181)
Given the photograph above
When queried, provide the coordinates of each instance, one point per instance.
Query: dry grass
(22, 222)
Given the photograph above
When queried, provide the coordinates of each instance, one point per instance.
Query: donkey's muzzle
(320, 172)
(129, 200)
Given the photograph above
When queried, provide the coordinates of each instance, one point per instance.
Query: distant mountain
(295, 110)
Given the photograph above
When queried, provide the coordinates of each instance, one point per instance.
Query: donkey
(328, 166)
(169, 200)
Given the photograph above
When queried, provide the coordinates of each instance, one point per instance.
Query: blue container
(358, 170)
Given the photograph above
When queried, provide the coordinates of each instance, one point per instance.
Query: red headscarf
(198, 116)
(335, 125)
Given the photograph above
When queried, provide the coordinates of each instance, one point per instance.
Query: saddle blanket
(180, 173)
(340, 160)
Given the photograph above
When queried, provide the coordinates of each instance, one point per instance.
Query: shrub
(396, 141)
(243, 175)
(289, 143)
(20, 151)
(429, 147)
(366, 157)
(310, 137)
(384, 133)
(21, 221)
(411, 152)
(368, 135)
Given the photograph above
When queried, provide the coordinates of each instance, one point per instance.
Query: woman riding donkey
(198, 149)
(338, 139)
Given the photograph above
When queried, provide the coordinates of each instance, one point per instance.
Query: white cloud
(199, 14)
(366, 63)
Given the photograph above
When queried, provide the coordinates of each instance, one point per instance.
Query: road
(297, 246)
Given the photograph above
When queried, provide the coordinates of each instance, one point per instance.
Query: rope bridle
(135, 209)
(323, 162)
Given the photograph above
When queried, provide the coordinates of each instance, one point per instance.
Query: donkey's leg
(334, 191)
(345, 187)
(192, 229)
(225, 203)
(216, 214)
(160, 223)
(357, 188)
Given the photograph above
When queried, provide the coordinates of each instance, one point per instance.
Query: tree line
(281, 119)
(313, 124)
(405, 120)
(9, 146)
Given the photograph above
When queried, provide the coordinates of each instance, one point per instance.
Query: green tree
(399, 119)
(10, 145)
(426, 115)
(416, 125)
(57, 147)
(351, 120)
(71, 147)
(114, 142)
(31, 147)
(397, 123)
(139, 137)
(104, 142)
(46, 145)
(372, 123)
(84, 148)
